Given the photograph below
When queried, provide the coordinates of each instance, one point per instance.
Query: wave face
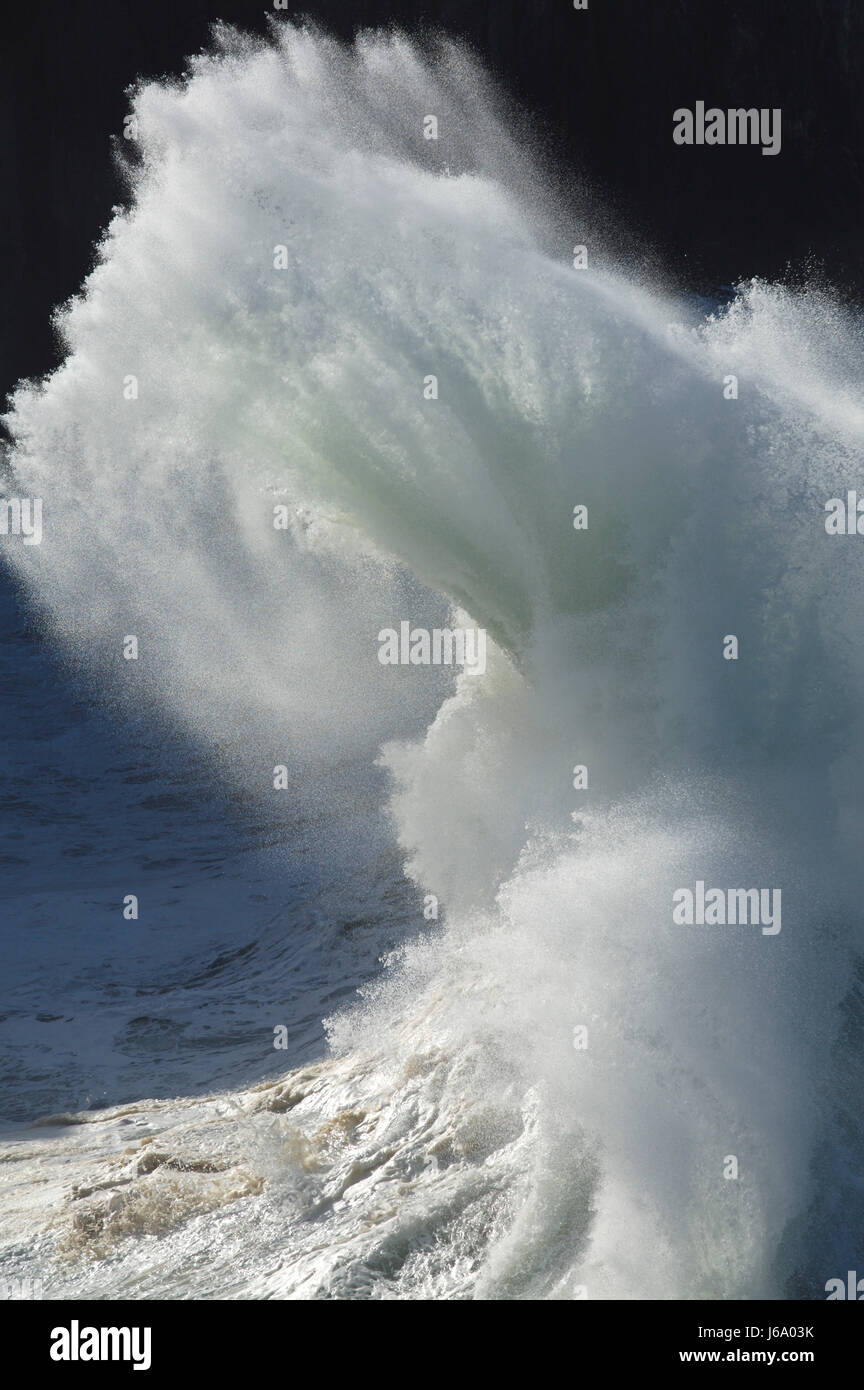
(455, 1143)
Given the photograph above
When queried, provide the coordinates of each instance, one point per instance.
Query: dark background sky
(606, 80)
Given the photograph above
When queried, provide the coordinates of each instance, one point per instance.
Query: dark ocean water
(249, 918)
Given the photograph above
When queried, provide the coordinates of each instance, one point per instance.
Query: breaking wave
(295, 263)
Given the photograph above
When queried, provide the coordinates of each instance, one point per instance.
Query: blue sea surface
(249, 919)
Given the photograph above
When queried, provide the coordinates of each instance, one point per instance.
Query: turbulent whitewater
(451, 1141)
